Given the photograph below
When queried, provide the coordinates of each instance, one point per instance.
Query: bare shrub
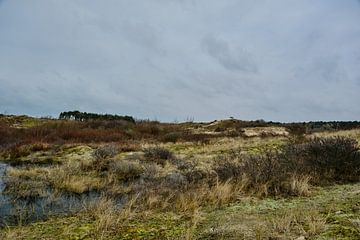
(291, 170)
(297, 131)
(265, 175)
(104, 152)
(16, 152)
(151, 171)
(326, 159)
(197, 137)
(172, 137)
(195, 175)
(126, 170)
(228, 166)
(158, 154)
(175, 179)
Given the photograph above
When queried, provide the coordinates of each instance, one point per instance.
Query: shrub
(265, 174)
(158, 154)
(171, 137)
(151, 171)
(291, 169)
(39, 147)
(104, 152)
(126, 170)
(198, 175)
(17, 151)
(174, 179)
(197, 137)
(326, 159)
(296, 129)
(228, 166)
(128, 146)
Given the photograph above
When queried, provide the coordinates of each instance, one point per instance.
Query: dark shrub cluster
(196, 137)
(158, 154)
(104, 152)
(172, 137)
(126, 170)
(228, 166)
(16, 151)
(296, 129)
(267, 174)
(326, 159)
(319, 160)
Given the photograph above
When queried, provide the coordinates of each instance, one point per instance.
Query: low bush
(16, 152)
(172, 137)
(291, 169)
(198, 137)
(38, 147)
(228, 166)
(104, 152)
(265, 174)
(198, 175)
(326, 159)
(158, 154)
(126, 170)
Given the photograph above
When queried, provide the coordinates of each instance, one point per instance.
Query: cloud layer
(282, 60)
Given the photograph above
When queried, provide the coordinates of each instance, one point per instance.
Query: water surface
(21, 211)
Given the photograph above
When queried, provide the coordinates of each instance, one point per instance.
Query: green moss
(58, 228)
(160, 226)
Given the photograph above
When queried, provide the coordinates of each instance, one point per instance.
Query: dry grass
(126, 170)
(34, 173)
(315, 223)
(106, 215)
(78, 184)
(70, 177)
(300, 185)
(27, 182)
(186, 179)
(299, 221)
(222, 193)
(109, 217)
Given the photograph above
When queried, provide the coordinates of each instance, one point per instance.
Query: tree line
(84, 116)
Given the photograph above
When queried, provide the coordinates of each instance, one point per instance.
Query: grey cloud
(208, 59)
(229, 58)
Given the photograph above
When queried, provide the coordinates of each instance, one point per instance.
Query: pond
(14, 211)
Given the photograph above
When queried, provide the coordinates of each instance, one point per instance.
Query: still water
(22, 211)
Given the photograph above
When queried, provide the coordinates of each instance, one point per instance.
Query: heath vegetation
(227, 179)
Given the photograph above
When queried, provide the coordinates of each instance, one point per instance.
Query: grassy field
(220, 180)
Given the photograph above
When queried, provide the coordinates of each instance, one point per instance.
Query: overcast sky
(281, 60)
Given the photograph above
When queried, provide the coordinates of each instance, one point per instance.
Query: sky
(178, 60)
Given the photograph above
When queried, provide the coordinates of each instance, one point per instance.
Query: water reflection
(25, 210)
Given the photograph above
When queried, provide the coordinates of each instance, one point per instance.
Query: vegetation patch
(185, 181)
